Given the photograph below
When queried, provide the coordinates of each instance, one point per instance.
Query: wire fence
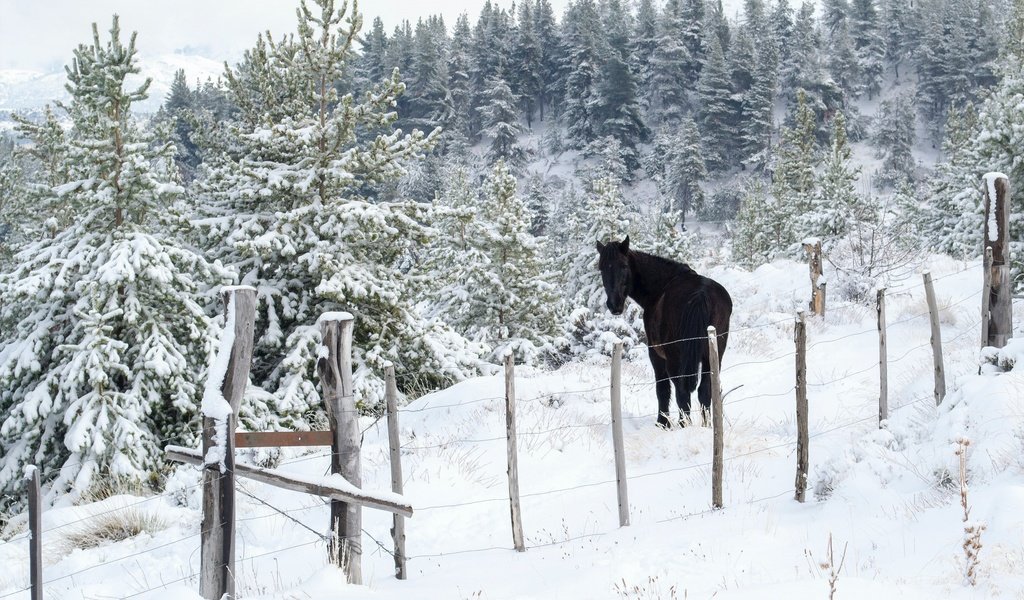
(635, 384)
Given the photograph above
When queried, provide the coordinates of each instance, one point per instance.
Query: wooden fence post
(335, 369)
(802, 438)
(997, 230)
(813, 248)
(986, 296)
(718, 427)
(513, 460)
(398, 529)
(35, 527)
(617, 442)
(883, 362)
(933, 311)
(223, 395)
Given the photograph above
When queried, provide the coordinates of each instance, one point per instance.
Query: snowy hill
(889, 497)
(23, 89)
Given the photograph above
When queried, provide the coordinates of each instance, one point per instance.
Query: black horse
(678, 305)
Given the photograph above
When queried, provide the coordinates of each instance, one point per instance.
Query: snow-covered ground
(889, 497)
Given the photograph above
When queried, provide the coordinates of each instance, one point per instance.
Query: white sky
(40, 34)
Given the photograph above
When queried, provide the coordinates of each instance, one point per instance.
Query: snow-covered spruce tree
(949, 217)
(836, 205)
(677, 164)
(590, 327)
(295, 203)
(501, 124)
(894, 137)
(500, 291)
(12, 205)
(102, 340)
(717, 110)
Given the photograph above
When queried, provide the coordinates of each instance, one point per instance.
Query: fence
(344, 542)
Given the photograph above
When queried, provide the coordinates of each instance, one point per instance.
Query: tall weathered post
(335, 369)
(718, 426)
(802, 435)
(394, 443)
(997, 237)
(617, 439)
(228, 377)
(883, 361)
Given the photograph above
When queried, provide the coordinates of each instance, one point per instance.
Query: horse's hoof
(663, 423)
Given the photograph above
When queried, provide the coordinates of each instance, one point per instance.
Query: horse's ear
(624, 246)
(600, 246)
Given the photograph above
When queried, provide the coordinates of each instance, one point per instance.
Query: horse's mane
(667, 264)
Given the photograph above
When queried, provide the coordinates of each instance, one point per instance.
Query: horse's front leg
(663, 387)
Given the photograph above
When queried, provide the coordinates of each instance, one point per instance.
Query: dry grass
(113, 527)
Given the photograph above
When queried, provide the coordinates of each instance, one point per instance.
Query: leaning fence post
(718, 444)
(513, 461)
(225, 387)
(933, 311)
(335, 371)
(802, 459)
(997, 230)
(883, 362)
(398, 529)
(35, 527)
(617, 442)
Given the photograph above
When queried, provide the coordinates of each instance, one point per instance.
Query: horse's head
(615, 273)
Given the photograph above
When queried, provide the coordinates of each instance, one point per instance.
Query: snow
(335, 316)
(215, 406)
(890, 495)
(990, 185)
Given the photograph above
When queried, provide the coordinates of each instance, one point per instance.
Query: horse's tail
(696, 318)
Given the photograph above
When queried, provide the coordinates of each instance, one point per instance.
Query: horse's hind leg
(684, 384)
(662, 387)
(704, 397)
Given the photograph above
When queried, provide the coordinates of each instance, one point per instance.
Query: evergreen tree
(551, 57)
(682, 170)
(672, 68)
(179, 114)
(95, 377)
(643, 48)
(756, 111)
(894, 138)
(298, 203)
(526, 63)
(898, 32)
(501, 122)
(616, 111)
(458, 132)
(430, 103)
(836, 206)
(508, 298)
(580, 84)
(717, 110)
(869, 45)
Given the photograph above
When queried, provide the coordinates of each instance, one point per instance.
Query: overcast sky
(40, 34)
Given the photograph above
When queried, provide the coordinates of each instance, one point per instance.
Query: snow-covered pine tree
(551, 56)
(457, 133)
(757, 122)
(717, 110)
(508, 296)
(12, 205)
(894, 138)
(580, 30)
(430, 103)
(868, 44)
(501, 124)
(672, 67)
(526, 62)
(836, 206)
(680, 169)
(590, 326)
(95, 373)
(296, 203)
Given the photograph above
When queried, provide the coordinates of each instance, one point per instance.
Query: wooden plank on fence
(717, 424)
(394, 443)
(333, 488)
(217, 545)
(933, 311)
(802, 439)
(617, 440)
(513, 456)
(997, 237)
(335, 371)
(281, 439)
(35, 528)
(883, 361)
